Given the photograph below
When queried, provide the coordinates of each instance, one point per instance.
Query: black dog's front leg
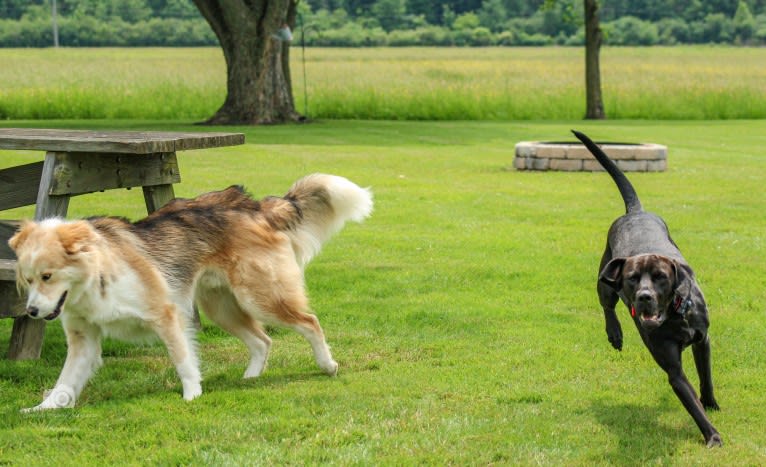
(609, 299)
(701, 351)
(668, 356)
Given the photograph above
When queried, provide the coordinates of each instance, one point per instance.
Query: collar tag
(682, 305)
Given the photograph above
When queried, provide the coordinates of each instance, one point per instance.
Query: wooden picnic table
(78, 162)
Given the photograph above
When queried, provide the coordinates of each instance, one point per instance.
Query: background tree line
(353, 23)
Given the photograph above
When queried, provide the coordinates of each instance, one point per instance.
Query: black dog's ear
(611, 275)
(683, 280)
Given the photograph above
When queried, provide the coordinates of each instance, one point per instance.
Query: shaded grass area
(534, 83)
(463, 313)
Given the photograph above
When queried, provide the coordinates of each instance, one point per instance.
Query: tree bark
(258, 84)
(594, 103)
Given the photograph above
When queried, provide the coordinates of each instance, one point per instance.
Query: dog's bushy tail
(323, 204)
(629, 195)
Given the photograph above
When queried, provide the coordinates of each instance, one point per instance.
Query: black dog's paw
(616, 343)
(615, 337)
(715, 441)
(710, 404)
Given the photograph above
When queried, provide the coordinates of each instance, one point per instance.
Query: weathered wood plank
(123, 142)
(77, 173)
(11, 304)
(8, 270)
(19, 185)
(7, 229)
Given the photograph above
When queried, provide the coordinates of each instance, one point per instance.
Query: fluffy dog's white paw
(252, 373)
(60, 397)
(192, 391)
(331, 368)
(255, 369)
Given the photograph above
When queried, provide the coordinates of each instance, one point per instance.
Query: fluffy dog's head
(51, 265)
(649, 283)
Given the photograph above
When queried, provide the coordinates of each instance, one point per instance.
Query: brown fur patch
(75, 237)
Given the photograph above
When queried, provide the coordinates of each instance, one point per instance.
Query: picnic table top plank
(121, 142)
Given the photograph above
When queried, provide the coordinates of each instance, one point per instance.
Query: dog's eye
(634, 278)
(658, 276)
(45, 276)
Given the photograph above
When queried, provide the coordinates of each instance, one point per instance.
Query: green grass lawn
(463, 313)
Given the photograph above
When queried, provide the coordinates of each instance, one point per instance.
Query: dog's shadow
(233, 380)
(637, 429)
(109, 384)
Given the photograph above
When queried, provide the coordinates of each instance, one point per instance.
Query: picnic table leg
(27, 335)
(157, 196)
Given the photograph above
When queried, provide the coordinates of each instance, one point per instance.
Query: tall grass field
(463, 313)
(392, 83)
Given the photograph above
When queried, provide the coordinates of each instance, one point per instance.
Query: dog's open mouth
(650, 321)
(57, 310)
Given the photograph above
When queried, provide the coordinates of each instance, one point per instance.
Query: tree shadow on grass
(642, 438)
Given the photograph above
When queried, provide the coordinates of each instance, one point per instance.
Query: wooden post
(27, 335)
(157, 196)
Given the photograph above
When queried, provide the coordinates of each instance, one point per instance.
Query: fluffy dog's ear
(75, 237)
(611, 275)
(21, 235)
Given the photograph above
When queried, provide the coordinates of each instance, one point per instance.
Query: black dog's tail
(629, 196)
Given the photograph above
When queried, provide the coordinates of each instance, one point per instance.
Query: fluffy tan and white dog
(240, 259)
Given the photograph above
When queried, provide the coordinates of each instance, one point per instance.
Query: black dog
(644, 267)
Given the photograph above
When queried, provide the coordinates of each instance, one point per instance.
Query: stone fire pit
(573, 157)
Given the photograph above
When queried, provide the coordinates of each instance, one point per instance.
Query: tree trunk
(594, 103)
(258, 85)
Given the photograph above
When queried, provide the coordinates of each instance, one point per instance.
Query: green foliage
(389, 13)
(350, 35)
(672, 31)
(744, 23)
(717, 28)
(629, 30)
(463, 313)
(466, 21)
(493, 14)
(338, 23)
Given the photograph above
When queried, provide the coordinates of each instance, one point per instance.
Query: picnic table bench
(78, 162)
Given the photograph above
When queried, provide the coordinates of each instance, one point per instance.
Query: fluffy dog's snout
(33, 311)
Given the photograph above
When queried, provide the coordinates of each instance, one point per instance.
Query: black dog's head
(649, 284)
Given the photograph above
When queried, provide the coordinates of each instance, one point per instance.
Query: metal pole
(55, 25)
(303, 56)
